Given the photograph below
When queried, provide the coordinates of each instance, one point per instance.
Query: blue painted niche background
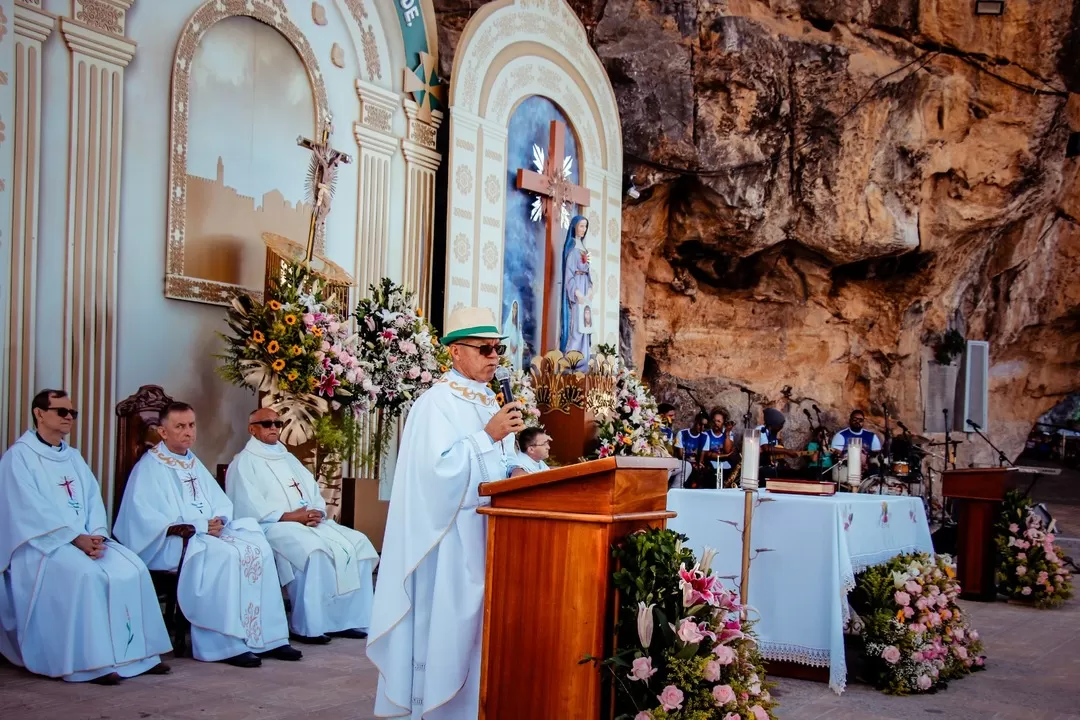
(523, 258)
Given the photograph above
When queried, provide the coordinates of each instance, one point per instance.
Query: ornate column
(377, 145)
(99, 54)
(421, 164)
(32, 27)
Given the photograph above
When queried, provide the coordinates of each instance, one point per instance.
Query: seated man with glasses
(534, 447)
(426, 625)
(326, 568)
(871, 443)
(73, 603)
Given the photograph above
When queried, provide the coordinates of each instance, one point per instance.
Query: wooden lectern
(978, 493)
(549, 599)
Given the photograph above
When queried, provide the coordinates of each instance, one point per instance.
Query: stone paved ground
(1034, 673)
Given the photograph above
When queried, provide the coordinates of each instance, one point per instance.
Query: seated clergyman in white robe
(73, 603)
(228, 587)
(427, 622)
(326, 568)
(534, 447)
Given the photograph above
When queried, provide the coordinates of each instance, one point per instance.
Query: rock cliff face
(828, 185)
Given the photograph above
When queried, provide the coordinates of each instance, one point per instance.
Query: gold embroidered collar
(169, 460)
(469, 390)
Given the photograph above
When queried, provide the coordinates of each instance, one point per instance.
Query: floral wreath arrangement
(303, 357)
(400, 352)
(682, 648)
(1030, 567)
(522, 388)
(629, 424)
(913, 635)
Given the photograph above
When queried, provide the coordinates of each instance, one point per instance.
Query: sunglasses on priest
(269, 423)
(64, 412)
(487, 350)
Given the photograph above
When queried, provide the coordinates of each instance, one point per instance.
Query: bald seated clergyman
(228, 587)
(73, 603)
(326, 568)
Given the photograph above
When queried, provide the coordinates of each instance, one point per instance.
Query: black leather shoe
(244, 660)
(285, 652)
(110, 679)
(316, 640)
(352, 634)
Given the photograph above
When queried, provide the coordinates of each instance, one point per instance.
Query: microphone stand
(746, 416)
(1002, 460)
(888, 437)
(948, 455)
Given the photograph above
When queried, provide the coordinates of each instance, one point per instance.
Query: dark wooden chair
(137, 423)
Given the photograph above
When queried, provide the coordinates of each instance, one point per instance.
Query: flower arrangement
(399, 350)
(682, 648)
(914, 636)
(630, 423)
(522, 388)
(1030, 567)
(291, 348)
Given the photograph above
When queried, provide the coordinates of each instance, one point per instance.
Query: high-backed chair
(137, 432)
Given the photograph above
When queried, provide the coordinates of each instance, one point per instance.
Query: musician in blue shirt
(870, 441)
(693, 441)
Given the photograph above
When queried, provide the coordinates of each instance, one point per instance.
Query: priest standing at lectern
(426, 627)
(325, 568)
(228, 587)
(73, 603)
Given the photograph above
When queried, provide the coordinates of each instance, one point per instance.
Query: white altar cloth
(805, 552)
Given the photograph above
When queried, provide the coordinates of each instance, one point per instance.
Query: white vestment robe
(427, 622)
(326, 569)
(228, 587)
(62, 613)
(526, 463)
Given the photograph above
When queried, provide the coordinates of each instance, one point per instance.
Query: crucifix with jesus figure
(555, 191)
(321, 180)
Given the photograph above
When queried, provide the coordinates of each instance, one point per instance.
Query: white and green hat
(471, 322)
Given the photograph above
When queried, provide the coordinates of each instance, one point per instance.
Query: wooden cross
(67, 486)
(554, 190)
(324, 162)
(297, 487)
(191, 480)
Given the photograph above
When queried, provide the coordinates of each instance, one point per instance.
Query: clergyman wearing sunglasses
(79, 594)
(329, 567)
(431, 580)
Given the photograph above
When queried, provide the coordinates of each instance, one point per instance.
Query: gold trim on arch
(269, 12)
(531, 48)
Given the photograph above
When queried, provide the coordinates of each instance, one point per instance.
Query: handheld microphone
(503, 376)
(973, 424)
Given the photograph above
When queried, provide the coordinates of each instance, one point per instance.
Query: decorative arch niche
(178, 283)
(509, 51)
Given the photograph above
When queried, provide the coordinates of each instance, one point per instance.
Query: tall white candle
(751, 453)
(854, 461)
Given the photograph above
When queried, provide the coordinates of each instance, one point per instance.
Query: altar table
(805, 552)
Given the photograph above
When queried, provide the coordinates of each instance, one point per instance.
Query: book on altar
(800, 487)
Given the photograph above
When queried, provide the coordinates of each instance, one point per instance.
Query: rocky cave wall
(828, 185)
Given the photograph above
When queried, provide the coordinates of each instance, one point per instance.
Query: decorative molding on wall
(421, 164)
(96, 136)
(509, 51)
(18, 384)
(377, 107)
(271, 12)
(106, 16)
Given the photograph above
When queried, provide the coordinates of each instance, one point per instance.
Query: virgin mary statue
(576, 317)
